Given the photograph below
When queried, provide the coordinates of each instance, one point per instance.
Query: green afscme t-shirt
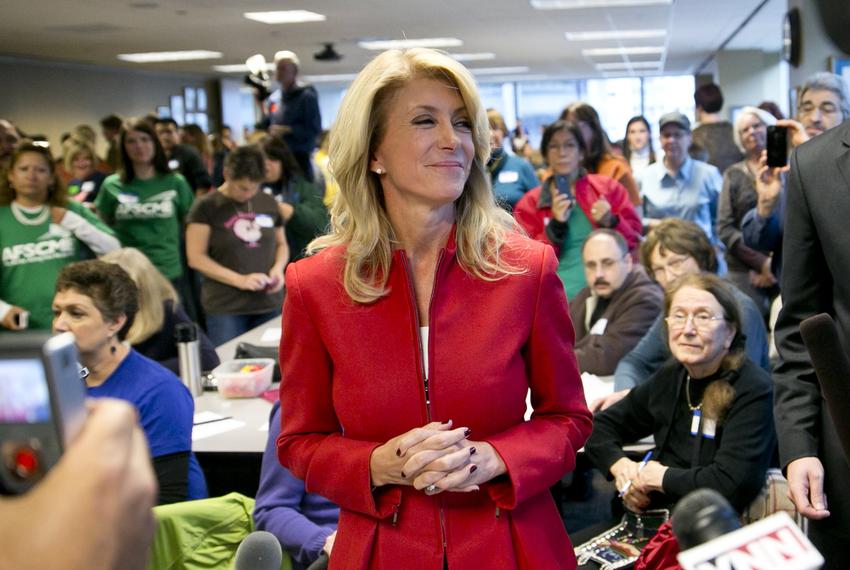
(148, 215)
(32, 256)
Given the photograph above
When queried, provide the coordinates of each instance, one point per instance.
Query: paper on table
(596, 387)
(208, 430)
(270, 335)
(204, 417)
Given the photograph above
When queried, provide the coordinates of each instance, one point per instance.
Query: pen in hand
(627, 486)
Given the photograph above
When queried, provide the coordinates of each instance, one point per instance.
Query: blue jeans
(222, 328)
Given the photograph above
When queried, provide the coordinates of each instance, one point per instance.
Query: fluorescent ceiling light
(636, 50)
(341, 77)
(160, 56)
(285, 17)
(473, 56)
(591, 4)
(239, 68)
(499, 70)
(633, 65)
(614, 35)
(410, 43)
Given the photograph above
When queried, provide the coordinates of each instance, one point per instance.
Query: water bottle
(189, 355)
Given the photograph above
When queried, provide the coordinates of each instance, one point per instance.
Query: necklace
(30, 216)
(688, 395)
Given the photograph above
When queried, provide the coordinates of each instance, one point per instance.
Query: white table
(245, 431)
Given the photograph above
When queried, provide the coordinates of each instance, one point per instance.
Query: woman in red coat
(548, 213)
(412, 337)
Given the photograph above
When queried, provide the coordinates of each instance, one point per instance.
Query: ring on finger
(431, 488)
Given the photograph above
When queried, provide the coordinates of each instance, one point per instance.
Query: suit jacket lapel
(843, 158)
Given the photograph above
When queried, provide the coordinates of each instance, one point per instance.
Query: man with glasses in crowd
(823, 104)
(613, 313)
(672, 249)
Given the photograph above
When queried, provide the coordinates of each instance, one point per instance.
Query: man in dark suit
(815, 279)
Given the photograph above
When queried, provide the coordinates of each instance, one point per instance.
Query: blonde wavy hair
(154, 290)
(359, 218)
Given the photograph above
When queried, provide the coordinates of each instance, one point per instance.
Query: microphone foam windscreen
(259, 551)
(702, 515)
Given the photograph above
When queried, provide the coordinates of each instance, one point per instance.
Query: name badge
(174, 164)
(264, 221)
(508, 177)
(125, 198)
(695, 422)
(709, 429)
(599, 327)
(87, 186)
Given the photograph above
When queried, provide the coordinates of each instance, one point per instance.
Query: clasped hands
(643, 481)
(435, 458)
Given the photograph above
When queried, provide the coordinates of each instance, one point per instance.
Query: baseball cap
(674, 118)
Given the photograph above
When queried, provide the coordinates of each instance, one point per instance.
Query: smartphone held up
(777, 146)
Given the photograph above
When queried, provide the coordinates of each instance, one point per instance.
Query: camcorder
(42, 406)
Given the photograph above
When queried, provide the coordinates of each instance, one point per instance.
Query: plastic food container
(235, 378)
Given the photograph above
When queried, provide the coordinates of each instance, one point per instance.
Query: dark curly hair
(110, 288)
(246, 162)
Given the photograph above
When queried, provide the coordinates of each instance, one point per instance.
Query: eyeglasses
(702, 320)
(825, 108)
(565, 147)
(606, 263)
(675, 265)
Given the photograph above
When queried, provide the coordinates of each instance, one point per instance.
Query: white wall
(749, 77)
(53, 98)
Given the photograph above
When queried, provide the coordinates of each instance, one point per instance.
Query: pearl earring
(379, 171)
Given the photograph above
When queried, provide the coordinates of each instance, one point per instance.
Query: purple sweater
(301, 521)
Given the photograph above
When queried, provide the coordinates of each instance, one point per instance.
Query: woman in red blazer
(412, 337)
(548, 213)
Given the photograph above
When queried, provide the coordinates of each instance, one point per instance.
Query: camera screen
(24, 397)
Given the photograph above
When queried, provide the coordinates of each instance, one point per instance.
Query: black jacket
(816, 266)
(734, 463)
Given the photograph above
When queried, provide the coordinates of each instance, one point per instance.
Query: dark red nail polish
(466, 432)
(398, 452)
(473, 468)
(472, 451)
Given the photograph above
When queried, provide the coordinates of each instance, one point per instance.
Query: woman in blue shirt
(510, 175)
(97, 301)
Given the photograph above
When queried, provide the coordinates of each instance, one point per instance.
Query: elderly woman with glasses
(749, 269)
(709, 409)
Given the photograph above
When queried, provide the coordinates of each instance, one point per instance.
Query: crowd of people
(477, 276)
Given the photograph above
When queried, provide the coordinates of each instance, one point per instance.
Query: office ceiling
(95, 31)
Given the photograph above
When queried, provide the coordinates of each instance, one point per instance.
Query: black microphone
(321, 563)
(701, 516)
(259, 551)
(832, 367)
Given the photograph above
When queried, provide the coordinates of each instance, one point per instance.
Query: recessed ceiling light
(340, 77)
(499, 70)
(632, 65)
(635, 50)
(160, 56)
(473, 56)
(410, 43)
(614, 35)
(239, 68)
(285, 17)
(591, 4)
